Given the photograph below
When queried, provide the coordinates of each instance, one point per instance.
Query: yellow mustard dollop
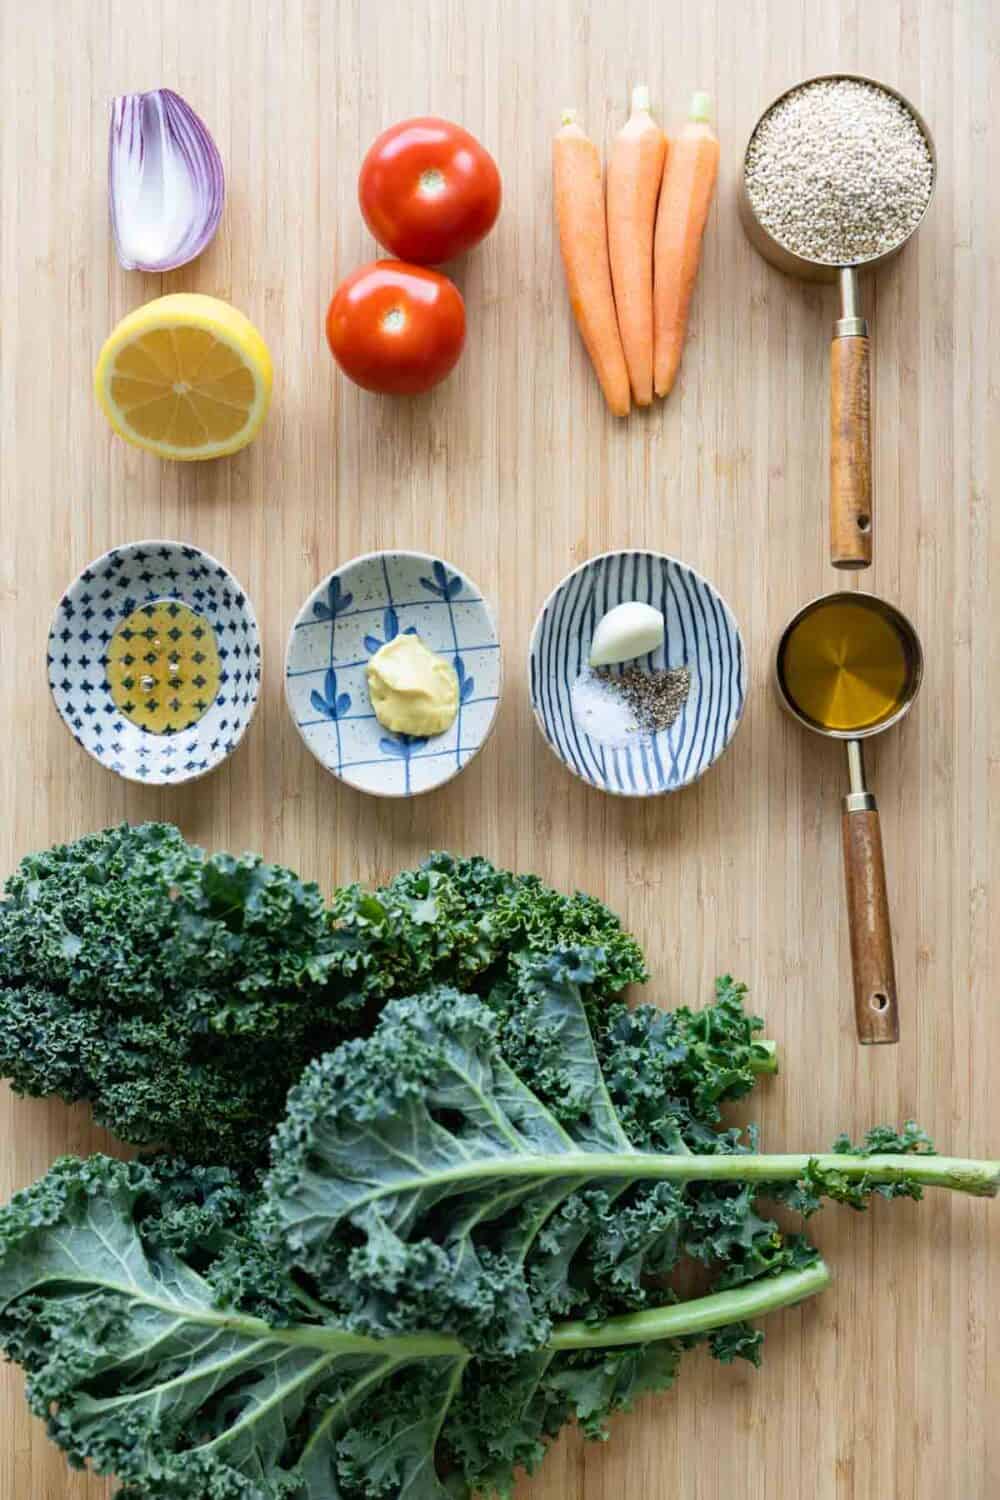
(413, 691)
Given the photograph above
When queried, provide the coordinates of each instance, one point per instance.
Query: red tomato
(396, 328)
(428, 190)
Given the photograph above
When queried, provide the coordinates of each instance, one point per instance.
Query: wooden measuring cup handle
(875, 1005)
(850, 450)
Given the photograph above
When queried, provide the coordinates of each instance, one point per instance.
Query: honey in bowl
(163, 667)
(846, 666)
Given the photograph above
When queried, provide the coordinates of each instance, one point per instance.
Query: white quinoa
(839, 171)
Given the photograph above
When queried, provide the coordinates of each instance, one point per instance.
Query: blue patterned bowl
(86, 618)
(340, 627)
(701, 634)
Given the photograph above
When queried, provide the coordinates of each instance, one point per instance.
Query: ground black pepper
(655, 698)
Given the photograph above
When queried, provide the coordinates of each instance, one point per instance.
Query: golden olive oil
(163, 667)
(845, 666)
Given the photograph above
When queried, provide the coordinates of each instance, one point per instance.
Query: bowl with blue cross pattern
(345, 621)
(154, 661)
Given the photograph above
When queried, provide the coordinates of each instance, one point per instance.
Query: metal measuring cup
(850, 380)
(875, 1000)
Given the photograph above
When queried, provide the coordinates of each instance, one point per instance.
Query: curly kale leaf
(504, 1415)
(607, 1251)
(724, 1056)
(669, 1071)
(378, 1319)
(466, 923)
(824, 1178)
(474, 1167)
(182, 995)
(666, 1072)
(428, 1093)
(883, 1139)
(382, 1317)
(139, 1372)
(140, 1369)
(737, 1341)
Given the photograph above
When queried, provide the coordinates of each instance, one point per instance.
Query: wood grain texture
(851, 519)
(876, 1005)
(887, 1387)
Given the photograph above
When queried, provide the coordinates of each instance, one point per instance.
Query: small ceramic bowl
(701, 634)
(340, 627)
(106, 593)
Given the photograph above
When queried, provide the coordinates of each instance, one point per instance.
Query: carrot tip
(701, 108)
(640, 98)
(569, 116)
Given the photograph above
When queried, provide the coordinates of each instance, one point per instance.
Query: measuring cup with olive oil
(849, 665)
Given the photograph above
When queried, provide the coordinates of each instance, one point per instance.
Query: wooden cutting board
(888, 1387)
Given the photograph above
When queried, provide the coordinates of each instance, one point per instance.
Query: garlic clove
(625, 632)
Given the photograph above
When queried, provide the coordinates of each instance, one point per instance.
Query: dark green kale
(179, 995)
(466, 923)
(385, 1314)
(182, 995)
(491, 1191)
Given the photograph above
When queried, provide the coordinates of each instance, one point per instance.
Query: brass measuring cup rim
(799, 265)
(911, 641)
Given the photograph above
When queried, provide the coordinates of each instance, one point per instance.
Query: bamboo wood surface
(886, 1387)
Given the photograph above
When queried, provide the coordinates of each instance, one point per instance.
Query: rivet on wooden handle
(875, 1004)
(850, 453)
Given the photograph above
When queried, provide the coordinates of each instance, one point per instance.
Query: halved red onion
(166, 184)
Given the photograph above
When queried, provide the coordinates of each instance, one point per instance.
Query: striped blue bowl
(701, 634)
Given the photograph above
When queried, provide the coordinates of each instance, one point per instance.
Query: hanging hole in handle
(879, 1001)
(864, 523)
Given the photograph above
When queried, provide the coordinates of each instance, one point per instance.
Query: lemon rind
(257, 360)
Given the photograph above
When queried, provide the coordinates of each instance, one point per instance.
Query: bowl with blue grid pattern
(105, 617)
(340, 627)
(701, 634)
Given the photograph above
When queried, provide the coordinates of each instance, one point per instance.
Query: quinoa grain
(839, 171)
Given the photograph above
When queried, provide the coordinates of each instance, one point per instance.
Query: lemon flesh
(185, 377)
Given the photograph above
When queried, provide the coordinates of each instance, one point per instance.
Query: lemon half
(185, 377)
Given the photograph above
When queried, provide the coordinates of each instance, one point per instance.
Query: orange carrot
(634, 173)
(685, 196)
(583, 240)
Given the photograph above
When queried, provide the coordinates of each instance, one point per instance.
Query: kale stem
(697, 1316)
(764, 1057)
(979, 1178)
